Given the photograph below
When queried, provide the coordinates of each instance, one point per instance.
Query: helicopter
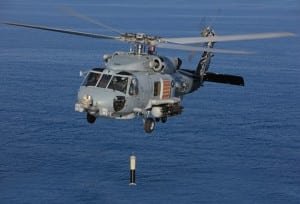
(142, 83)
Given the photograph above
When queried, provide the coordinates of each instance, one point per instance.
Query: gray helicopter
(143, 83)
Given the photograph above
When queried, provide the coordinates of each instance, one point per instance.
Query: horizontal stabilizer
(224, 78)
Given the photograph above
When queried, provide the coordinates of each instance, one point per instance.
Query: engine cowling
(157, 64)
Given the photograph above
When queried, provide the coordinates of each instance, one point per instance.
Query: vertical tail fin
(204, 62)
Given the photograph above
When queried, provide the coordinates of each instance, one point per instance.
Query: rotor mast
(141, 42)
(137, 48)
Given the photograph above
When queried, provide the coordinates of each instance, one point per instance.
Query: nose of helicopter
(102, 104)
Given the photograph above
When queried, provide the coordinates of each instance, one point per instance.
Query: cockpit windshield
(119, 83)
(91, 79)
(114, 82)
(104, 81)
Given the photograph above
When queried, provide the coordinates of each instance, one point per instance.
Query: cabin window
(104, 81)
(118, 83)
(91, 79)
(157, 87)
(134, 89)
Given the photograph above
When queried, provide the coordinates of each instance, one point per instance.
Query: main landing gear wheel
(90, 118)
(149, 125)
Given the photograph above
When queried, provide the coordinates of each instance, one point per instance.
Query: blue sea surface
(230, 145)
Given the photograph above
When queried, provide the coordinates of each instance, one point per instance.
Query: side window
(104, 81)
(91, 79)
(157, 87)
(134, 88)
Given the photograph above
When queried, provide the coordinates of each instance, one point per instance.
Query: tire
(90, 118)
(149, 125)
(164, 119)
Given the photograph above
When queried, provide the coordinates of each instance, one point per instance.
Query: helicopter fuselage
(130, 85)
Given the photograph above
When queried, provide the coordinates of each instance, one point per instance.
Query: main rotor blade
(91, 35)
(191, 40)
(192, 48)
(71, 12)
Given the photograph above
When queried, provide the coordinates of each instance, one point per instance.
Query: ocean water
(230, 145)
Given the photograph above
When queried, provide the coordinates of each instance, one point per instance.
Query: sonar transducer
(132, 169)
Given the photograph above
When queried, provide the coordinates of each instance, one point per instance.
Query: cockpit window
(133, 89)
(119, 83)
(104, 81)
(91, 79)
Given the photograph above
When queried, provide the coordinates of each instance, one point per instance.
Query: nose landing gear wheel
(164, 119)
(90, 118)
(149, 125)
